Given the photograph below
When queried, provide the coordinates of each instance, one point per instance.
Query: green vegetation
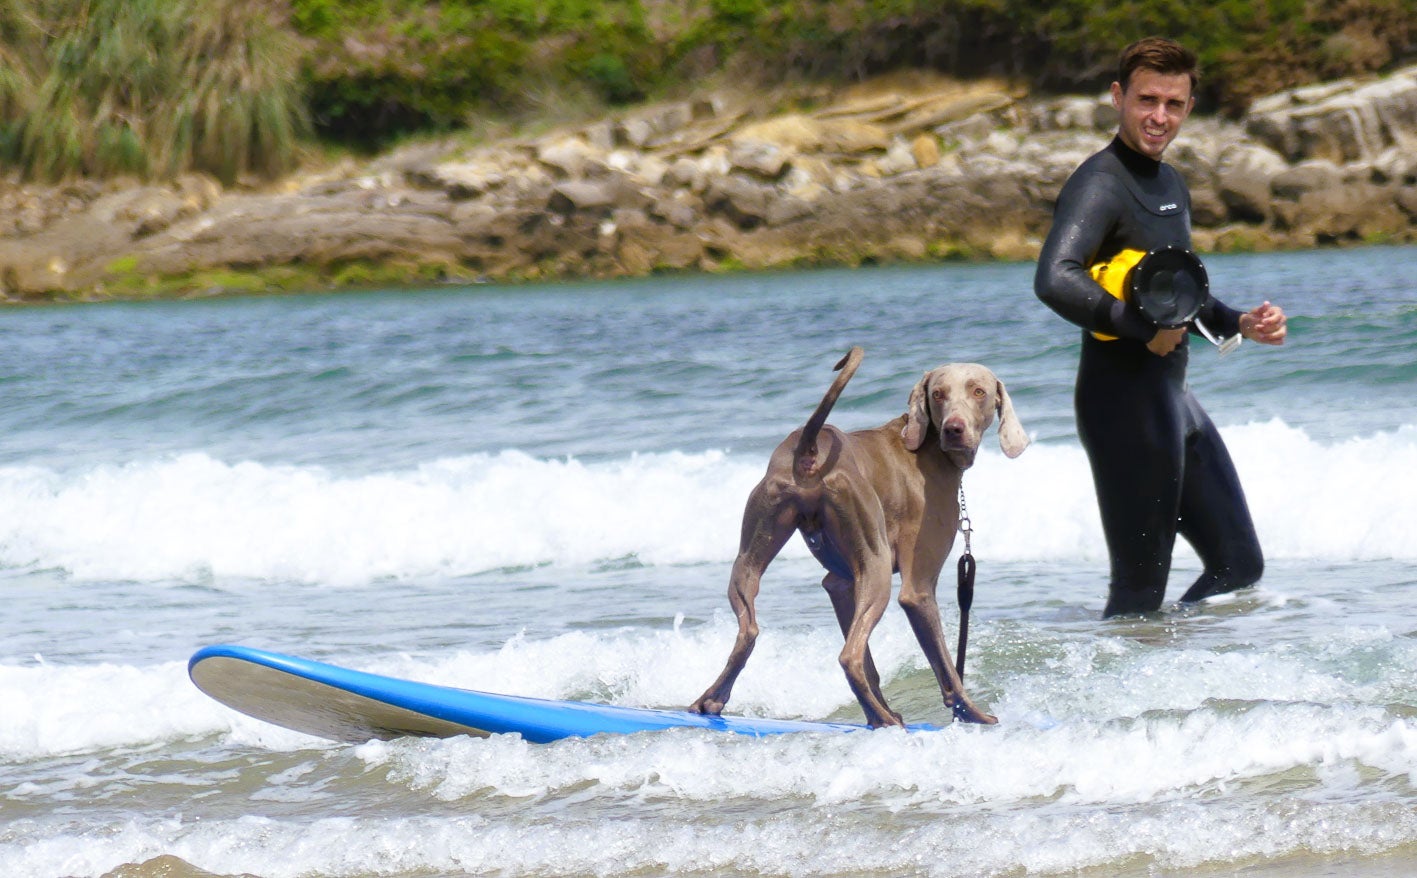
(382, 68)
(151, 88)
(124, 279)
(154, 88)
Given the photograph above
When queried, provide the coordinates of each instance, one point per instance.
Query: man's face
(1152, 109)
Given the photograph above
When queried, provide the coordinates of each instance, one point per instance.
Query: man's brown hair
(1159, 55)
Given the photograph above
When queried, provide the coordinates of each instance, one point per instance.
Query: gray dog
(870, 503)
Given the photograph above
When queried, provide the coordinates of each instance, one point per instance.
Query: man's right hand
(1166, 340)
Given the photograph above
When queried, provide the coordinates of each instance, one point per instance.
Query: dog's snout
(954, 427)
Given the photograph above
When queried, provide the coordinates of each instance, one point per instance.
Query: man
(1158, 463)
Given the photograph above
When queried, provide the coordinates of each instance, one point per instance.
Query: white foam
(1119, 761)
(794, 672)
(1089, 681)
(1352, 500)
(57, 710)
(937, 841)
(194, 517)
(1107, 745)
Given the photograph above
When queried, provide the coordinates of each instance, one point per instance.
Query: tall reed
(151, 88)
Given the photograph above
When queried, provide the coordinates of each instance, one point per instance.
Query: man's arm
(1081, 222)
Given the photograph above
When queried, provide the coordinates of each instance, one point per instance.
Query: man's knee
(1245, 567)
(1249, 571)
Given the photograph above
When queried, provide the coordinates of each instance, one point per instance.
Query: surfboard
(351, 706)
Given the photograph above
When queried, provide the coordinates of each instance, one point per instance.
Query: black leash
(965, 593)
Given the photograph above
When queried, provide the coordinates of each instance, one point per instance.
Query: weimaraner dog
(869, 503)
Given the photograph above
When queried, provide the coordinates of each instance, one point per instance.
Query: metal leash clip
(964, 524)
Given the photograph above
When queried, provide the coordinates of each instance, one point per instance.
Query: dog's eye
(978, 393)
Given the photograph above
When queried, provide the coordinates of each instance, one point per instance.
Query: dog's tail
(847, 367)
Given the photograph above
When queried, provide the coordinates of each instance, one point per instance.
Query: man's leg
(1215, 519)
(1134, 443)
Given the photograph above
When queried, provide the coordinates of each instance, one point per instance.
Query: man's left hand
(1265, 324)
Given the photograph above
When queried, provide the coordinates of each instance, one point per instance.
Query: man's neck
(1133, 159)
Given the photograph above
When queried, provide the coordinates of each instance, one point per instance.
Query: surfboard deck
(351, 706)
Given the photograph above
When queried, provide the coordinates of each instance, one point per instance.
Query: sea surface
(537, 490)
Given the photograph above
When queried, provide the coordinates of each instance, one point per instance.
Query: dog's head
(961, 400)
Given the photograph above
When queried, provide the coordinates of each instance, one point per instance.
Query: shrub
(382, 68)
(151, 88)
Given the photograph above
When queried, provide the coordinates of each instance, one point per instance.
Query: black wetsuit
(1158, 462)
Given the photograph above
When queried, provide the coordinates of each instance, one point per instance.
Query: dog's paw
(708, 706)
(967, 713)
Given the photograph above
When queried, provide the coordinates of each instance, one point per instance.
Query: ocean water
(537, 490)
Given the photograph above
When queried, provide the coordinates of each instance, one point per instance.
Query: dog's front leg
(923, 611)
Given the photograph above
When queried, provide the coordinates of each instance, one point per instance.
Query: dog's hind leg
(839, 589)
(871, 597)
(767, 526)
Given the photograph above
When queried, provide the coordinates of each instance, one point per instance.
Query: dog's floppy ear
(1012, 438)
(917, 415)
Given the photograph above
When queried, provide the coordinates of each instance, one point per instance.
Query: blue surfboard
(355, 706)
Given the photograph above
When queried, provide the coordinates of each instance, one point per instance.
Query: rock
(1323, 204)
(165, 866)
(681, 173)
(570, 157)
(741, 200)
(1245, 174)
(925, 149)
(708, 107)
(898, 159)
(1406, 200)
(681, 209)
(1315, 175)
(634, 133)
(600, 136)
(461, 180)
(670, 249)
(582, 195)
(144, 211)
(1343, 122)
(661, 123)
(757, 157)
(971, 130)
(787, 209)
(712, 165)
(687, 185)
(1073, 113)
(804, 134)
(646, 168)
(793, 131)
(1395, 165)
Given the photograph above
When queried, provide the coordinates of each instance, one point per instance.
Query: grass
(150, 88)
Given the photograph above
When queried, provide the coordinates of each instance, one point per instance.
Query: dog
(868, 504)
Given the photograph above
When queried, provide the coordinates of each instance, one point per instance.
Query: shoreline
(912, 169)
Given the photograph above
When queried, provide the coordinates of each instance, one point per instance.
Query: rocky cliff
(911, 168)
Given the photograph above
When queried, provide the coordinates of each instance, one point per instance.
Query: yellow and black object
(1168, 285)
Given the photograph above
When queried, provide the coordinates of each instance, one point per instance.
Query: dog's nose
(953, 427)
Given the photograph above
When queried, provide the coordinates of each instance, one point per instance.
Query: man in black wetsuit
(1158, 462)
